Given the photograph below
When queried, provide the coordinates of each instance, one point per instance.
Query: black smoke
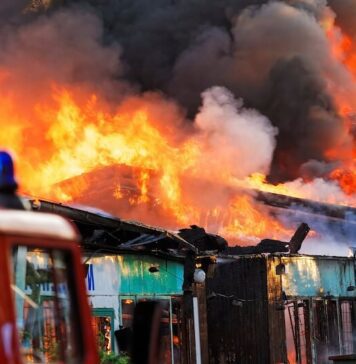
(308, 124)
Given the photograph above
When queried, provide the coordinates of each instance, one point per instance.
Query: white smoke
(325, 245)
(237, 139)
(320, 190)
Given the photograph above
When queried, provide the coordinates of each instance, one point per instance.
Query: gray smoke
(315, 169)
(61, 48)
(275, 57)
(307, 121)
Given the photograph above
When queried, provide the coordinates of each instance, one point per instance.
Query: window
(170, 329)
(103, 326)
(44, 303)
(177, 328)
(297, 331)
(333, 327)
(346, 308)
(165, 332)
(327, 326)
(127, 311)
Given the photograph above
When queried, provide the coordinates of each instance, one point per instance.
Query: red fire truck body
(44, 313)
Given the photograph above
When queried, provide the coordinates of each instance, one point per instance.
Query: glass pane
(320, 330)
(289, 319)
(177, 324)
(165, 334)
(127, 307)
(333, 327)
(45, 319)
(297, 326)
(301, 308)
(102, 330)
(346, 323)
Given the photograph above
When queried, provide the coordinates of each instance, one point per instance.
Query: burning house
(129, 262)
(256, 304)
(234, 116)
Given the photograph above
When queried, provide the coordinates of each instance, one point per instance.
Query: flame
(343, 49)
(346, 179)
(68, 133)
(246, 217)
(77, 135)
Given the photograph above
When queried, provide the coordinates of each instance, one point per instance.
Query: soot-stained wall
(238, 312)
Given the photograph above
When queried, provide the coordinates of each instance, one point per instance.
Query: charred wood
(307, 206)
(274, 246)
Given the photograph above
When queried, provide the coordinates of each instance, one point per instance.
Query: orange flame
(70, 133)
(75, 136)
(343, 49)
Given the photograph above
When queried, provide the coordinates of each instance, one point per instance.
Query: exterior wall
(278, 309)
(319, 304)
(237, 312)
(276, 327)
(112, 279)
(136, 278)
(103, 286)
(307, 276)
(111, 276)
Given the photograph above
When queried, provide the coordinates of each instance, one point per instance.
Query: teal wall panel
(318, 276)
(136, 279)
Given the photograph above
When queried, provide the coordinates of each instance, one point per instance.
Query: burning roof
(103, 232)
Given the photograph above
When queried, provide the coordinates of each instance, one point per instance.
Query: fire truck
(44, 312)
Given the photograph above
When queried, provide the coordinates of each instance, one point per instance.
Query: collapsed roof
(103, 232)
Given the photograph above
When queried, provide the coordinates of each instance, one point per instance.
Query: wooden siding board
(136, 279)
(276, 323)
(238, 334)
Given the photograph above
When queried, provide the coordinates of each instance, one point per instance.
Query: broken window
(102, 323)
(171, 324)
(319, 328)
(346, 308)
(297, 332)
(331, 307)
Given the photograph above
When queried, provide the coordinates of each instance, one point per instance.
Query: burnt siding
(238, 334)
(277, 334)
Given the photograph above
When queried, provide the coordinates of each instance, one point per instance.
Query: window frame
(136, 299)
(106, 312)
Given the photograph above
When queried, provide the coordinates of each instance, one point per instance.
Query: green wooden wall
(136, 279)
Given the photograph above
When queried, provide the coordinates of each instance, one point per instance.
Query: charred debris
(105, 233)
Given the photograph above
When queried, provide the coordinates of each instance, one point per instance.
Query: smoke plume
(200, 95)
(232, 133)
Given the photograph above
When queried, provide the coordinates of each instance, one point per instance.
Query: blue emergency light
(7, 178)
